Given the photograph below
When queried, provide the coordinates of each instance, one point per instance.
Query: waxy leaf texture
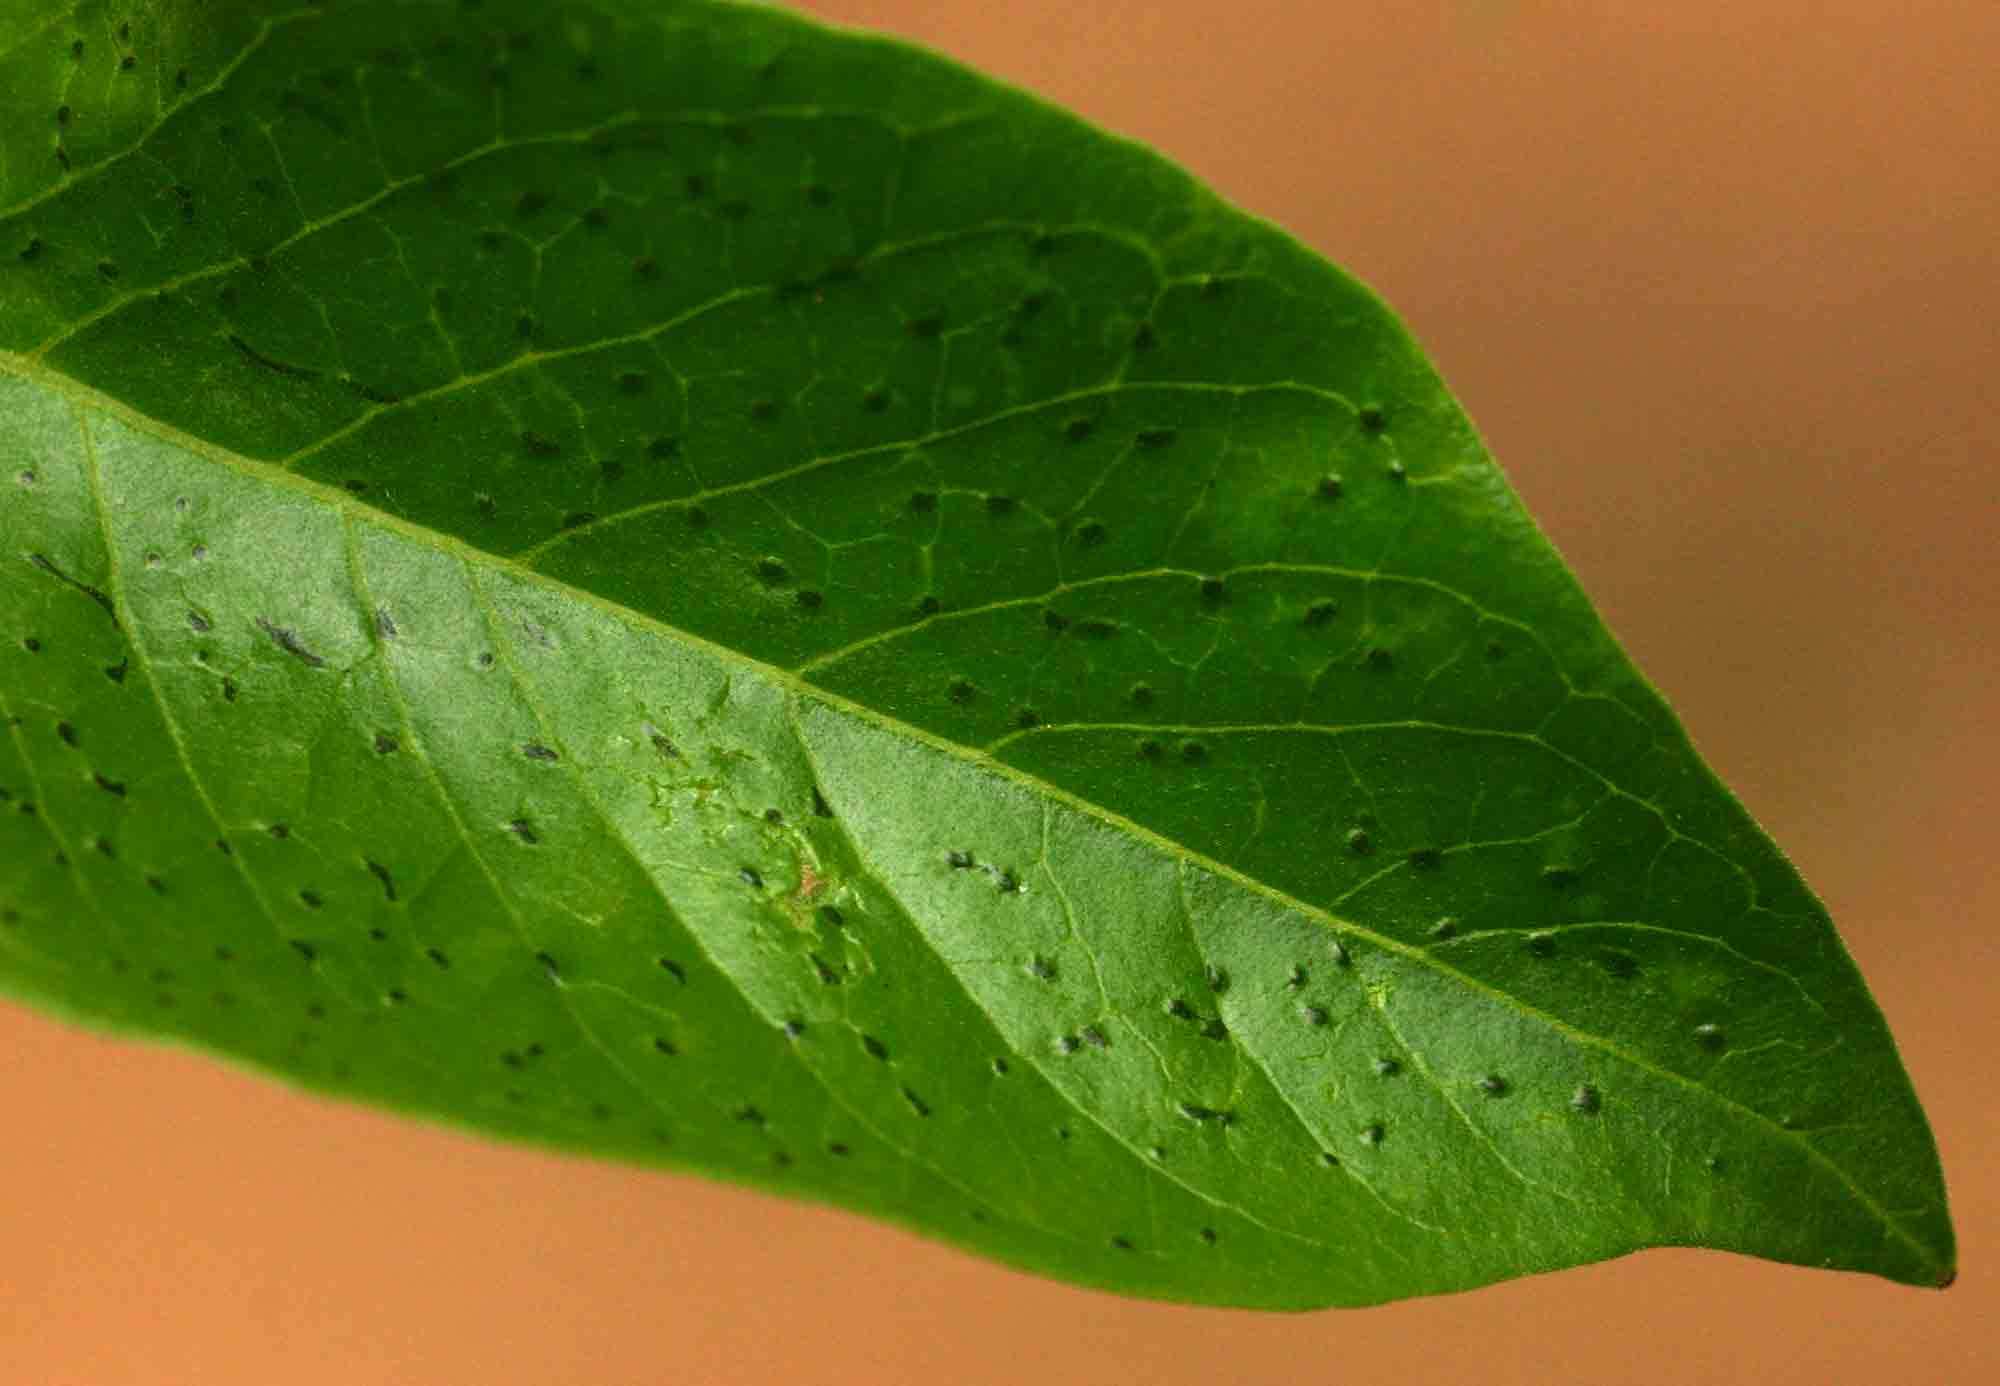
(660, 580)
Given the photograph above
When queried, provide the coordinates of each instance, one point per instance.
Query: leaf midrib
(342, 502)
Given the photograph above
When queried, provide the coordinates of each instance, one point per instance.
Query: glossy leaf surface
(661, 580)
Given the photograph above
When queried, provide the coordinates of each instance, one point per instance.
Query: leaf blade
(1062, 458)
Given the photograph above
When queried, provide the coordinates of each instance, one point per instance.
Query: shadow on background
(1718, 281)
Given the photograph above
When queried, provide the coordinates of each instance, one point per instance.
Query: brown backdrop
(1718, 279)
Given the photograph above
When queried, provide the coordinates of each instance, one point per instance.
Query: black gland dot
(771, 570)
(1372, 419)
(1359, 843)
(809, 599)
(1076, 430)
(928, 326)
(961, 691)
(1153, 439)
(1493, 1085)
(923, 502)
(1330, 486)
(632, 383)
(1149, 749)
(1542, 945)
(1000, 505)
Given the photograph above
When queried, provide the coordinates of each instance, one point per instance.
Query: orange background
(1718, 279)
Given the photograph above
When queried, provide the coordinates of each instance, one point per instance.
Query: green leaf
(660, 580)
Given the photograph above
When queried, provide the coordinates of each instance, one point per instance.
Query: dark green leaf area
(656, 579)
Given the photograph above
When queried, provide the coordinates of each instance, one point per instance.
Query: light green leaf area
(664, 581)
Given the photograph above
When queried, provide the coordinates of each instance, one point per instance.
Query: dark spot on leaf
(1619, 964)
(288, 641)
